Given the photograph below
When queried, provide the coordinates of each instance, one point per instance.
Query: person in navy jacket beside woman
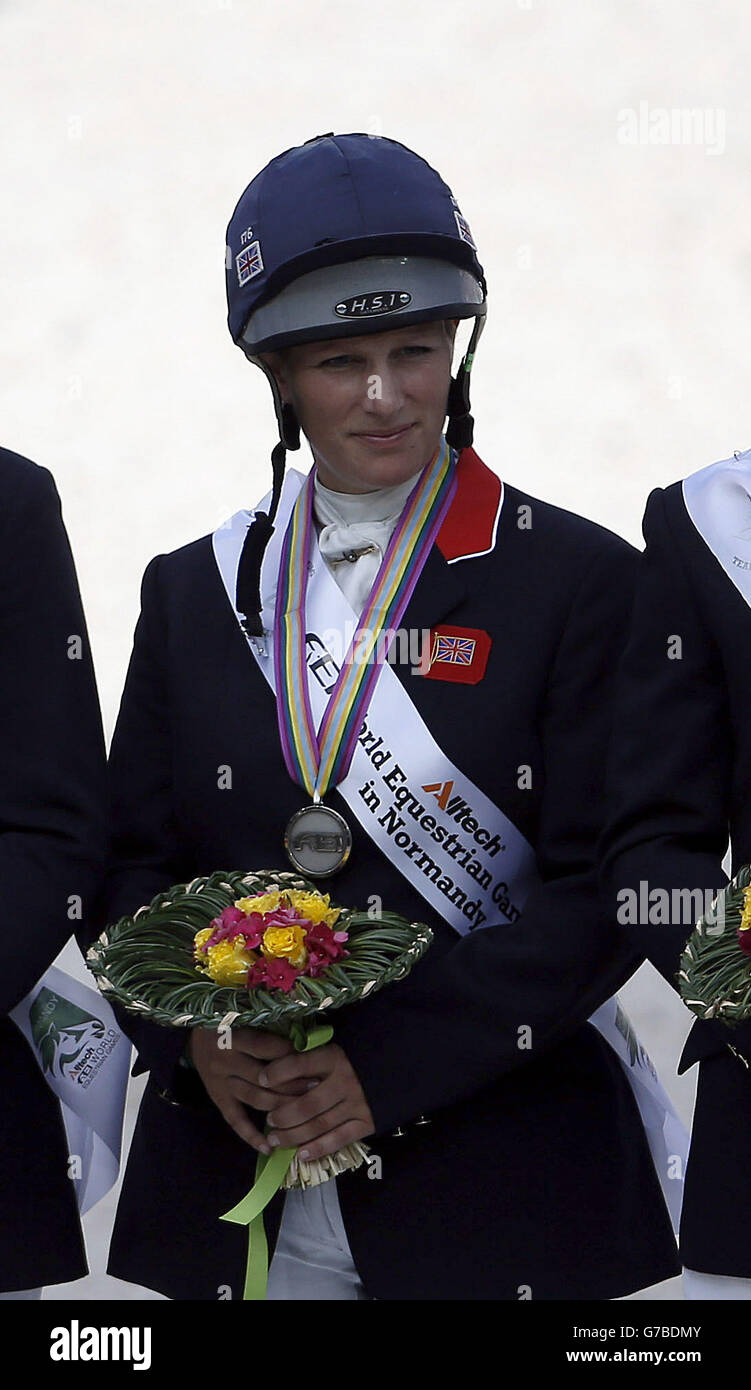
(679, 774)
(53, 851)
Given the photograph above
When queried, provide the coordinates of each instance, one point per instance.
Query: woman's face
(372, 407)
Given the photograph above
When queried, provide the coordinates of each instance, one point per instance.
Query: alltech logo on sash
(457, 654)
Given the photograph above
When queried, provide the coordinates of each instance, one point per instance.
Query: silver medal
(317, 840)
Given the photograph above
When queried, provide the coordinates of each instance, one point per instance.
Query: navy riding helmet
(345, 234)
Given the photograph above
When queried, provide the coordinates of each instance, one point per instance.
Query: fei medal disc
(317, 840)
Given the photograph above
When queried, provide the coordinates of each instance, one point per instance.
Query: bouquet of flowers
(266, 950)
(715, 970)
(256, 950)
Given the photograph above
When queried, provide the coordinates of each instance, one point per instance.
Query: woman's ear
(275, 361)
(449, 327)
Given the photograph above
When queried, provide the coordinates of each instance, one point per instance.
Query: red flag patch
(456, 654)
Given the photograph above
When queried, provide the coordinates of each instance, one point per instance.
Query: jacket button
(398, 1133)
(422, 1120)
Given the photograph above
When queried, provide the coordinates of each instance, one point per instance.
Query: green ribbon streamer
(304, 1040)
(271, 1170)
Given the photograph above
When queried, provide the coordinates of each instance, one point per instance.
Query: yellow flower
(228, 962)
(314, 906)
(288, 942)
(746, 913)
(199, 941)
(263, 902)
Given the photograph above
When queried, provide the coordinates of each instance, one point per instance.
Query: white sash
(84, 1057)
(458, 849)
(718, 500)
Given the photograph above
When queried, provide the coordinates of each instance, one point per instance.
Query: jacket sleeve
(669, 772)
(52, 759)
(147, 852)
(460, 1020)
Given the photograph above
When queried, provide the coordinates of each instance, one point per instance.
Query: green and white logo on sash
(71, 1042)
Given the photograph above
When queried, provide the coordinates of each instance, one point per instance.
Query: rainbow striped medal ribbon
(317, 838)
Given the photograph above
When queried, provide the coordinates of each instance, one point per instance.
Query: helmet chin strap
(459, 434)
(248, 594)
(460, 428)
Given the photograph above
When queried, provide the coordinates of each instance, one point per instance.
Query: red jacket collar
(470, 525)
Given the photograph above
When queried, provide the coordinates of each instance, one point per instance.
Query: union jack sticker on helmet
(249, 262)
(463, 227)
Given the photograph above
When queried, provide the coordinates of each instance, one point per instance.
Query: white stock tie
(355, 529)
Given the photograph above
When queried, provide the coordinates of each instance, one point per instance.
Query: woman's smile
(383, 439)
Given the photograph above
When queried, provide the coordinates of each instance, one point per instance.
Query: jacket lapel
(439, 590)
(469, 530)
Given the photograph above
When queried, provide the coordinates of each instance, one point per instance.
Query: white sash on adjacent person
(448, 839)
(85, 1059)
(718, 500)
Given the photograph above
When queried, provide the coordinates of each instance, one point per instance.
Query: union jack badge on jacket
(457, 654)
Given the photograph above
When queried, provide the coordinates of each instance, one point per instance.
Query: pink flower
(324, 946)
(285, 917)
(323, 940)
(317, 963)
(274, 972)
(253, 929)
(232, 923)
(223, 925)
(744, 941)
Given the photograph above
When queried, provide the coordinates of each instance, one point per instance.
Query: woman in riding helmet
(455, 779)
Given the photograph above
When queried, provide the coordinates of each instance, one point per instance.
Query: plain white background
(613, 359)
